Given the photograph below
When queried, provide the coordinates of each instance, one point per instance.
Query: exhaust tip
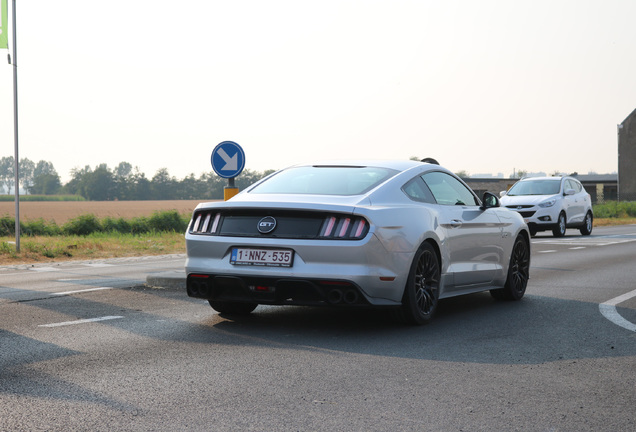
(350, 297)
(198, 289)
(334, 296)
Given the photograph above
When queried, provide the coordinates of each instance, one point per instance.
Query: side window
(417, 190)
(447, 190)
(571, 184)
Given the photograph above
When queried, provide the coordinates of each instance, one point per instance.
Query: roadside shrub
(82, 225)
(39, 227)
(139, 225)
(615, 209)
(167, 221)
(119, 225)
(87, 224)
(7, 226)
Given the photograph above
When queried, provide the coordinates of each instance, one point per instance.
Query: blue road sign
(228, 159)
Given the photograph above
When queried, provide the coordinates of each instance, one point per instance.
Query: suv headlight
(548, 203)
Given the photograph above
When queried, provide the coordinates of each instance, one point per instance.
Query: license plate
(264, 257)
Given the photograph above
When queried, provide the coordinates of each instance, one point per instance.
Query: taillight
(344, 227)
(205, 223)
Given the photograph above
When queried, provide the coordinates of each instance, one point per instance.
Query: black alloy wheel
(518, 272)
(421, 293)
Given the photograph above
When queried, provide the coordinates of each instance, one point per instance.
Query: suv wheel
(559, 231)
(586, 229)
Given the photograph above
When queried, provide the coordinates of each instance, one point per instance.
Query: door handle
(456, 223)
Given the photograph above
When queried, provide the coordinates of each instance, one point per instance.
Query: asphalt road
(87, 347)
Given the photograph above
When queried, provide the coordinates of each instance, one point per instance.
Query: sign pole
(230, 190)
(16, 162)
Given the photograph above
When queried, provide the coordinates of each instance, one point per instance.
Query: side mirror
(569, 192)
(490, 200)
(502, 194)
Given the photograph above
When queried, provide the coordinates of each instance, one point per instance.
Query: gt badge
(266, 225)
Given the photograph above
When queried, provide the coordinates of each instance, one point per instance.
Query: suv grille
(518, 207)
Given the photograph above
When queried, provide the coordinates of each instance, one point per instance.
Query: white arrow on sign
(231, 163)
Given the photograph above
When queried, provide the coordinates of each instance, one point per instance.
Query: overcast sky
(482, 86)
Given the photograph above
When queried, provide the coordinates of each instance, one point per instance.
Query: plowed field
(62, 211)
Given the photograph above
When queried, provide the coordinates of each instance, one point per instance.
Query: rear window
(324, 180)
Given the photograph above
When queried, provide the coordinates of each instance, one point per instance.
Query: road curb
(175, 280)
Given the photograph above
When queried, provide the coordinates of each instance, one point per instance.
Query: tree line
(123, 182)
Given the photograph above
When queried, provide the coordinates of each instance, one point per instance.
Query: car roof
(544, 178)
(399, 165)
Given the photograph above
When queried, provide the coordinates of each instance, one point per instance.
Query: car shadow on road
(473, 328)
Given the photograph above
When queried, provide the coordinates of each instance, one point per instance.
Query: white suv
(551, 203)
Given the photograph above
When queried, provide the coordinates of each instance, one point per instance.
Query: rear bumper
(275, 291)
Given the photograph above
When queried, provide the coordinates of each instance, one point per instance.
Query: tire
(588, 224)
(421, 293)
(518, 272)
(559, 231)
(232, 308)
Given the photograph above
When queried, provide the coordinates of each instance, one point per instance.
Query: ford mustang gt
(393, 234)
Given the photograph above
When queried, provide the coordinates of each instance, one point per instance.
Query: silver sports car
(396, 234)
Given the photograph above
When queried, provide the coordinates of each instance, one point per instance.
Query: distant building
(498, 175)
(627, 158)
(601, 187)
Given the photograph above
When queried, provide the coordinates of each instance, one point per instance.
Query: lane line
(81, 291)
(608, 310)
(82, 321)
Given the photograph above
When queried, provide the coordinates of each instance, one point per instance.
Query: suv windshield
(324, 180)
(536, 187)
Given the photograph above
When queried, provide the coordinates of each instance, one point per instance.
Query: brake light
(205, 223)
(358, 228)
(344, 228)
(327, 227)
(195, 224)
(215, 224)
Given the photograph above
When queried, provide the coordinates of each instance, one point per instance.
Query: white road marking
(608, 310)
(82, 291)
(546, 251)
(82, 321)
(98, 265)
(588, 241)
(578, 247)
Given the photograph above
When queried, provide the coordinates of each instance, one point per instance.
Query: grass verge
(614, 221)
(42, 249)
